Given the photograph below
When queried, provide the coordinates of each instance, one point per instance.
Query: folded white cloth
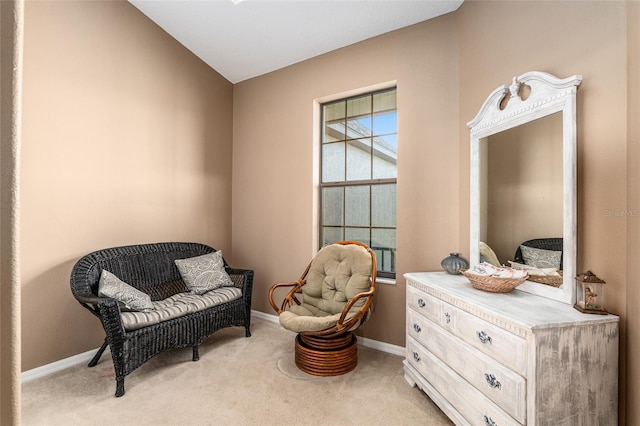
(490, 270)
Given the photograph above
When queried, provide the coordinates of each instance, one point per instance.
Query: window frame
(346, 183)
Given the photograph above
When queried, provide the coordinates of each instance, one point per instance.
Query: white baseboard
(362, 341)
(85, 357)
(54, 367)
(382, 346)
(267, 317)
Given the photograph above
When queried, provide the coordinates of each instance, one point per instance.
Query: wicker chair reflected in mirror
(551, 244)
(337, 292)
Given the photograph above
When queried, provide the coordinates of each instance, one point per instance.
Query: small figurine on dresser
(590, 294)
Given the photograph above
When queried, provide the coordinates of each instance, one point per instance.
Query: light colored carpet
(238, 381)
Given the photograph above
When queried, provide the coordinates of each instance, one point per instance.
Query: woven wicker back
(148, 267)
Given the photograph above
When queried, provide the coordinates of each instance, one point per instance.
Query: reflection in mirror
(523, 178)
(521, 188)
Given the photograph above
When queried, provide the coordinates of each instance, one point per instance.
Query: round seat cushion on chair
(299, 322)
(336, 275)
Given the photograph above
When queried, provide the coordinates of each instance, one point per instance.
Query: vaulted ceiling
(242, 39)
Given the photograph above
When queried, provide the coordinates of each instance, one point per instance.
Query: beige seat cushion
(178, 305)
(299, 319)
(337, 274)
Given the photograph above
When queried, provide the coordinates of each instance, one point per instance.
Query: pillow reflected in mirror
(541, 258)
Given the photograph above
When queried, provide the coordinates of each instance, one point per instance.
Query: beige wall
(274, 153)
(127, 139)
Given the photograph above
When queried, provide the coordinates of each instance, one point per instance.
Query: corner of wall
(11, 43)
(630, 412)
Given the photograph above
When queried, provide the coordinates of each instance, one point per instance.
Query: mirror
(523, 173)
(521, 185)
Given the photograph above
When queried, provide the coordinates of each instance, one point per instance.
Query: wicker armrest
(90, 299)
(242, 278)
(92, 303)
(288, 299)
(109, 312)
(362, 312)
(110, 308)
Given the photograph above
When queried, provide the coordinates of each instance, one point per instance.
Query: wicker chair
(337, 291)
(553, 244)
(151, 269)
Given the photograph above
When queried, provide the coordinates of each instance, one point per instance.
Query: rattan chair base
(326, 356)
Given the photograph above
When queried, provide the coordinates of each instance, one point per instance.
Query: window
(359, 145)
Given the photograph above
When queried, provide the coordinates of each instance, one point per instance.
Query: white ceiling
(242, 39)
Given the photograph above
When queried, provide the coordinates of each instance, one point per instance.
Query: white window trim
(387, 281)
(315, 167)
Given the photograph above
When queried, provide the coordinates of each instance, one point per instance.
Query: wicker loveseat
(135, 337)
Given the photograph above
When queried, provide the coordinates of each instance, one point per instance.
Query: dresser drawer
(469, 402)
(500, 384)
(496, 342)
(424, 304)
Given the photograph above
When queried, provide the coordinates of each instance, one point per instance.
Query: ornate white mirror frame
(548, 95)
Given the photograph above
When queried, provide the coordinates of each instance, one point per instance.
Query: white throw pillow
(204, 273)
(130, 297)
(541, 258)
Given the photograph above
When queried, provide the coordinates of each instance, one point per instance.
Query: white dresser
(509, 359)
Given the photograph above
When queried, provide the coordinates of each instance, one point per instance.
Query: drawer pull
(447, 317)
(484, 337)
(421, 303)
(416, 357)
(489, 421)
(493, 382)
(417, 328)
